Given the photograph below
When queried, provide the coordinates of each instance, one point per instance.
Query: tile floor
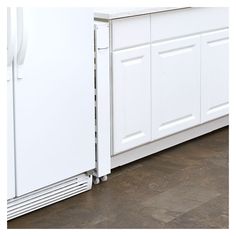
(183, 187)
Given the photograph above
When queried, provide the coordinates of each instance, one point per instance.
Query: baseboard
(164, 143)
(49, 195)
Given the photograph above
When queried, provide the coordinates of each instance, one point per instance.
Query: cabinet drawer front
(131, 98)
(130, 31)
(175, 86)
(177, 23)
(214, 81)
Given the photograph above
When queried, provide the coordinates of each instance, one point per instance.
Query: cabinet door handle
(103, 48)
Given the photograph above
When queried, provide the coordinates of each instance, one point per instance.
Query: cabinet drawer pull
(103, 48)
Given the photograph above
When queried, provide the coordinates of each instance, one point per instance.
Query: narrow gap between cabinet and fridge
(150, 25)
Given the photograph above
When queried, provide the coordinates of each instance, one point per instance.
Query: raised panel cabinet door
(175, 86)
(131, 98)
(214, 80)
(54, 96)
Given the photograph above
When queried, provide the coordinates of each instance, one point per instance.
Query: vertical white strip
(11, 182)
(103, 99)
(3, 117)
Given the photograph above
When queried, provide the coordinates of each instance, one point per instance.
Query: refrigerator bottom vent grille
(49, 195)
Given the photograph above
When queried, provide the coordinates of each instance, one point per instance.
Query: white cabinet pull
(104, 48)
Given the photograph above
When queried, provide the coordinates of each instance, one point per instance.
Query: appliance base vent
(48, 195)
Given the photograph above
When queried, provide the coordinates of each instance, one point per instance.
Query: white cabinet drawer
(178, 23)
(130, 31)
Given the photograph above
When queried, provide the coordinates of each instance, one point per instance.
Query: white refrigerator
(51, 130)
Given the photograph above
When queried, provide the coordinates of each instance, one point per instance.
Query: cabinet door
(214, 83)
(54, 96)
(175, 85)
(131, 98)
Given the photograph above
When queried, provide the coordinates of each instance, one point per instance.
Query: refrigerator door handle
(10, 41)
(21, 41)
(10, 38)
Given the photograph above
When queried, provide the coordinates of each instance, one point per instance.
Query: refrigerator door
(11, 48)
(54, 96)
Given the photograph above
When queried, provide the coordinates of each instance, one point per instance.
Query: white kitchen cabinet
(131, 98)
(160, 105)
(214, 81)
(175, 85)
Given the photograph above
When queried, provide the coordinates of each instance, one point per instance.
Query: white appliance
(51, 139)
